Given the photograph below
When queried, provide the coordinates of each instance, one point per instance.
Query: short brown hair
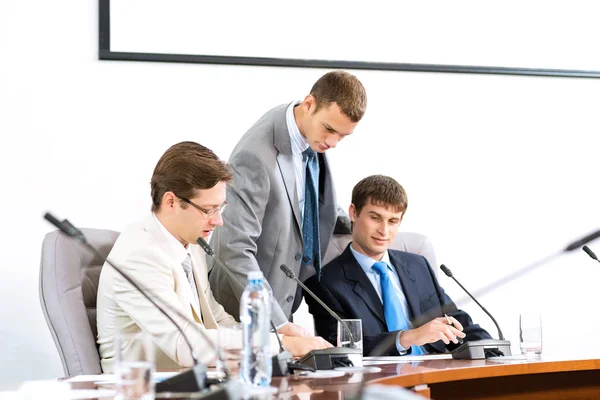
(185, 168)
(380, 190)
(345, 90)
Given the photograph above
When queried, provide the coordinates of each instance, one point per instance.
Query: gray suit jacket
(262, 224)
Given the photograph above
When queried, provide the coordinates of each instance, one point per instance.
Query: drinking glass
(344, 339)
(134, 366)
(530, 334)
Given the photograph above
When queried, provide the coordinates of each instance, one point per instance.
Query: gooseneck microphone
(484, 348)
(517, 274)
(590, 253)
(192, 380)
(281, 361)
(449, 274)
(290, 274)
(331, 357)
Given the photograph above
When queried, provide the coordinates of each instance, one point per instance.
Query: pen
(460, 341)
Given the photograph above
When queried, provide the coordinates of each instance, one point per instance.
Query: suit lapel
(327, 203)
(408, 283)
(362, 285)
(285, 161)
(201, 278)
(182, 286)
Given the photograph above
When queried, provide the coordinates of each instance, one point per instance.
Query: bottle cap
(255, 276)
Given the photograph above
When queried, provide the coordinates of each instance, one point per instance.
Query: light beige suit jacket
(145, 252)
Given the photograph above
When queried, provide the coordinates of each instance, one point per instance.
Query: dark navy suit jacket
(347, 290)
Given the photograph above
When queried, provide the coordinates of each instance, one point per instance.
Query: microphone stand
(479, 349)
(192, 380)
(334, 356)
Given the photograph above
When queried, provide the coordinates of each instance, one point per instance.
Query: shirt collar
(181, 251)
(366, 262)
(299, 142)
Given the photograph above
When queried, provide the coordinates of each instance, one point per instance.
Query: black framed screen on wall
(516, 38)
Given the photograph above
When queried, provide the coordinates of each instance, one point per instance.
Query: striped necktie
(310, 223)
(187, 267)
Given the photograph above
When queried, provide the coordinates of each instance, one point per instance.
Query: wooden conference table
(548, 377)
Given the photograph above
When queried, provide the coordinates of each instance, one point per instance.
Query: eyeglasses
(208, 213)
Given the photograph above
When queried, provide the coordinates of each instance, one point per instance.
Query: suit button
(290, 299)
(298, 256)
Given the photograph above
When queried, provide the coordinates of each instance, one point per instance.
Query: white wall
(500, 171)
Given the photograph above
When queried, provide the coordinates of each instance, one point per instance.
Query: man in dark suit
(392, 292)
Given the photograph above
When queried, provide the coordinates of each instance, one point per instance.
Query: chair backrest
(409, 242)
(69, 275)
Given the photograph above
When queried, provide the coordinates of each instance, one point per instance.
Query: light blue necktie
(310, 223)
(392, 307)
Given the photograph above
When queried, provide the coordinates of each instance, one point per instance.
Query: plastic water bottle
(255, 315)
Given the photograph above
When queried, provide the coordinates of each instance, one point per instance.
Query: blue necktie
(310, 223)
(392, 308)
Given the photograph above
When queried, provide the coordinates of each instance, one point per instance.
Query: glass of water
(530, 334)
(134, 366)
(229, 344)
(343, 337)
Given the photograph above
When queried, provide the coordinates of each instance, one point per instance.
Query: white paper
(404, 359)
(91, 378)
(110, 378)
(77, 394)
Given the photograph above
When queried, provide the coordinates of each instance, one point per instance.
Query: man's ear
(168, 201)
(352, 212)
(309, 103)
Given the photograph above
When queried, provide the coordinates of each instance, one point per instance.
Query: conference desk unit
(543, 378)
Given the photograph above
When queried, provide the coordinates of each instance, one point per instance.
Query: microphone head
(63, 227)
(288, 272)
(446, 270)
(583, 241)
(205, 246)
(590, 253)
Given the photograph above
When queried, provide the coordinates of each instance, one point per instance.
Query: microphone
(590, 253)
(450, 275)
(583, 241)
(331, 357)
(517, 274)
(283, 359)
(477, 349)
(192, 380)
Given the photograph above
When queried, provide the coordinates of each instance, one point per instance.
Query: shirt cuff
(402, 350)
(282, 325)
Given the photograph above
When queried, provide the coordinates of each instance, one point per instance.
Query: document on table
(110, 378)
(404, 359)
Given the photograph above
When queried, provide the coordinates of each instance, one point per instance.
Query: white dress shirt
(299, 144)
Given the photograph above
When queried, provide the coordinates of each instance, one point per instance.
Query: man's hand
(437, 329)
(299, 346)
(291, 329)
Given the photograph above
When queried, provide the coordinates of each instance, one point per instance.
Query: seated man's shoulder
(411, 259)
(333, 274)
(138, 245)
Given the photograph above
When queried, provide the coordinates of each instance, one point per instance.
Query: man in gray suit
(282, 204)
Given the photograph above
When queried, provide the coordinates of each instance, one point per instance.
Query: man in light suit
(394, 293)
(283, 206)
(161, 254)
